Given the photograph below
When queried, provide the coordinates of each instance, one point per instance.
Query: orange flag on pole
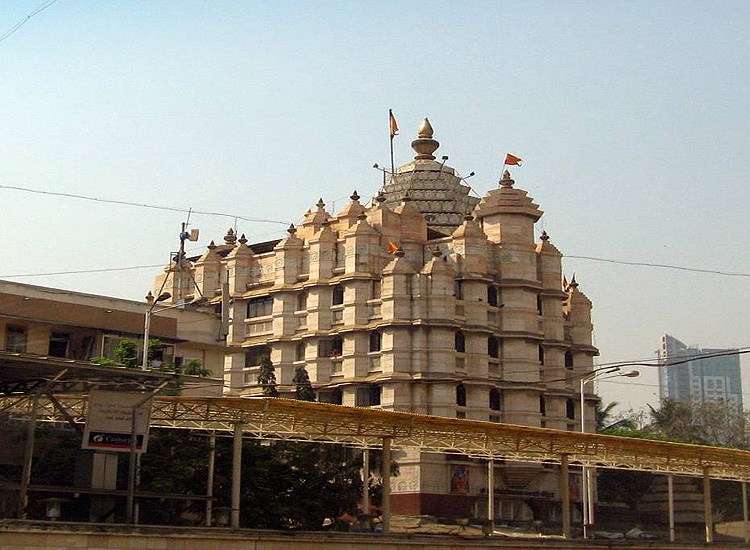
(392, 247)
(392, 123)
(512, 160)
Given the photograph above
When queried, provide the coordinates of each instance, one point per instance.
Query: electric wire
(82, 271)
(25, 20)
(141, 205)
(662, 266)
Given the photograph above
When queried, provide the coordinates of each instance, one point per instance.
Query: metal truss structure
(274, 418)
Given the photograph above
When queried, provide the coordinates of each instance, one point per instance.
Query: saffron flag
(512, 160)
(392, 123)
(392, 247)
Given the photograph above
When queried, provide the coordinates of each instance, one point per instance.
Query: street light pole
(147, 323)
(587, 496)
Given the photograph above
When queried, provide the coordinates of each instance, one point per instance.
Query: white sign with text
(109, 423)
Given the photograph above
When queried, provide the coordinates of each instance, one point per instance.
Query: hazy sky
(632, 119)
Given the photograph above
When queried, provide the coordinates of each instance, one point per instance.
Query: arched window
(460, 342)
(493, 347)
(299, 352)
(541, 354)
(337, 297)
(539, 304)
(570, 409)
(568, 359)
(542, 406)
(492, 295)
(494, 399)
(375, 340)
(461, 395)
(459, 290)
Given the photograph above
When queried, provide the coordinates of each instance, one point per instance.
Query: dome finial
(424, 145)
(506, 181)
(425, 129)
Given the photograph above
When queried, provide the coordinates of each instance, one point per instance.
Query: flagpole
(391, 134)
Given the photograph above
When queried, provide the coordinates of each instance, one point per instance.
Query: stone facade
(415, 306)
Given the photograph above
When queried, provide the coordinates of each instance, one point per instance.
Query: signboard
(109, 423)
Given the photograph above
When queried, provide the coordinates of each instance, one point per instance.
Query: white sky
(631, 118)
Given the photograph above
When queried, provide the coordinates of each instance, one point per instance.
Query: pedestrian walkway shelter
(274, 418)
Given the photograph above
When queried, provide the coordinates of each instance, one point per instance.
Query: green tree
(606, 421)
(674, 420)
(194, 367)
(176, 463)
(303, 390)
(267, 377)
(291, 485)
(127, 353)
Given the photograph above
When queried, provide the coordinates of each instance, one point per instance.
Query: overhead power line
(141, 205)
(663, 266)
(80, 271)
(25, 20)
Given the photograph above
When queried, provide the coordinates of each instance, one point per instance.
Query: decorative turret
(288, 257)
(314, 220)
(208, 271)
(549, 263)
(578, 310)
(508, 214)
(470, 243)
(238, 263)
(362, 247)
(322, 252)
(396, 287)
(348, 215)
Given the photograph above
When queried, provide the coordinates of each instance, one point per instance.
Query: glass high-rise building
(713, 376)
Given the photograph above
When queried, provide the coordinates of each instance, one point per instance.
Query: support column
(28, 457)
(585, 501)
(670, 491)
(385, 472)
(130, 498)
(565, 496)
(236, 475)
(744, 512)
(210, 478)
(366, 481)
(591, 487)
(491, 494)
(707, 509)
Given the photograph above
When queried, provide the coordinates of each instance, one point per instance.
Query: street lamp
(587, 496)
